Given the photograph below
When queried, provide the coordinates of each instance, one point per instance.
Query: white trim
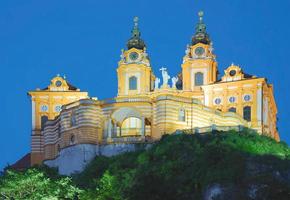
(259, 106)
(206, 99)
(33, 114)
(205, 76)
(266, 111)
(128, 75)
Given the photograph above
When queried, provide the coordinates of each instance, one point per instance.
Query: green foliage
(250, 142)
(34, 184)
(182, 166)
(179, 166)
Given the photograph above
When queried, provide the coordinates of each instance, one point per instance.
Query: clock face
(58, 83)
(134, 56)
(233, 72)
(199, 51)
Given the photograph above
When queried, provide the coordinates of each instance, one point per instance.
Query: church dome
(135, 41)
(200, 35)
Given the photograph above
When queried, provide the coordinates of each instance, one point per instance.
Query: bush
(179, 166)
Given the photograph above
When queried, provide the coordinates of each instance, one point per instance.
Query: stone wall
(74, 159)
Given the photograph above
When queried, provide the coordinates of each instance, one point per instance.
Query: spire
(200, 35)
(135, 31)
(135, 41)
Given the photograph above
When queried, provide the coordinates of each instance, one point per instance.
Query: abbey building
(69, 128)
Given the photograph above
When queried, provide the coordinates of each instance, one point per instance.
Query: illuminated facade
(145, 109)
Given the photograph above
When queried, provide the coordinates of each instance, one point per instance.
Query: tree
(34, 184)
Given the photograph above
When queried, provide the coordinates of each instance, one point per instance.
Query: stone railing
(126, 99)
(125, 132)
(127, 139)
(211, 129)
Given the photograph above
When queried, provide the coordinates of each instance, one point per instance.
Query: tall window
(232, 109)
(247, 113)
(59, 131)
(72, 139)
(198, 79)
(58, 148)
(181, 115)
(133, 83)
(43, 121)
(73, 119)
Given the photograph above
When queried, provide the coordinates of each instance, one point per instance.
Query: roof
(135, 41)
(22, 163)
(70, 87)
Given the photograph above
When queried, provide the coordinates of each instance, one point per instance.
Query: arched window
(198, 79)
(232, 109)
(247, 113)
(44, 119)
(133, 83)
(59, 130)
(58, 148)
(181, 115)
(73, 120)
(72, 139)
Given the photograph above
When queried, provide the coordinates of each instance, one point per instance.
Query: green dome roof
(200, 35)
(135, 41)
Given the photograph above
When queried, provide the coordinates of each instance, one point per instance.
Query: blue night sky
(83, 40)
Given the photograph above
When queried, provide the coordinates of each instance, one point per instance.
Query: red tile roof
(22, 163)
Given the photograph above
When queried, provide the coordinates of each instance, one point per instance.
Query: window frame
(42, 124)
(247, 113)
(182, 115)
(130, 82)
(197, 79)
(232, 109)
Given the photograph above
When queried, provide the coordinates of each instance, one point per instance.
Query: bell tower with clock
(199, 65)
(134, 72)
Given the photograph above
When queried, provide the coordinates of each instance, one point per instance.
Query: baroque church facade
(69, 128)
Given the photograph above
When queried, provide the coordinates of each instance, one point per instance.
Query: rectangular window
(181, 115)
(133, 83)
(198, 79)
(247, 113)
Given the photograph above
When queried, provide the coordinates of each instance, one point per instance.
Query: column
(109, 128)
(115, 129)
(143, 126)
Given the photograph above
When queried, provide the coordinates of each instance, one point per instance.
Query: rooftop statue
(174, 81)
(165, 77)
(156, 85)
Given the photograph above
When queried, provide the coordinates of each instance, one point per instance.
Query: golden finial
(200, 14)
(136, 19)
